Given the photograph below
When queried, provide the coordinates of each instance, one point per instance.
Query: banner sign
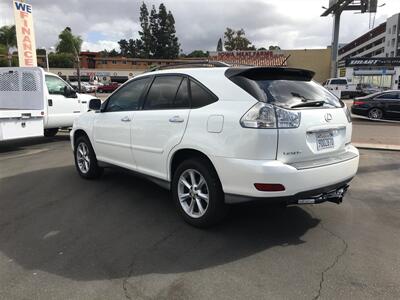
(25, 34)
(373, 61)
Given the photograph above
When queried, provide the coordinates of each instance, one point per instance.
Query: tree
(236, 40)
(61, 60)
(198, 53)
(145, 33)
(8, 38)
(71, 44)
(274, 48)
(157, 35)
(261, 49)
(219, 45)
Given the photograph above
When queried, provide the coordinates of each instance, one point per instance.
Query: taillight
(358, 102)
(263, 115)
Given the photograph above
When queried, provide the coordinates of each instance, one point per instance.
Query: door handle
(176, 119)
(50, 102)
(126, 119)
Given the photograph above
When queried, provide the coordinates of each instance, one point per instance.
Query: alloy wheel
(82, 158)
(193, 193)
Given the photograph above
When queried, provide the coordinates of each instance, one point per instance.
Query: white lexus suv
(217, 136)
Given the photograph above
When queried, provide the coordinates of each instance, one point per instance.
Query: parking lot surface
(120, 238)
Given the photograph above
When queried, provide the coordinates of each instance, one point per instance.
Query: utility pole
(336, 7)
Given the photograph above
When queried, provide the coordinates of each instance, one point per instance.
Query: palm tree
(8, 38)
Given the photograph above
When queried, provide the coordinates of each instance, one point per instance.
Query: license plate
(325, 140)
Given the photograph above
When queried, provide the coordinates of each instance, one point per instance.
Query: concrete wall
(317, 60)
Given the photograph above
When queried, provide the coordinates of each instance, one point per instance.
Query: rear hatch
(322, 128)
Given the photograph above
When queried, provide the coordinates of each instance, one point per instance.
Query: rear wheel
(198, 194)
(85, 159)
(375, 113)
(51, 132)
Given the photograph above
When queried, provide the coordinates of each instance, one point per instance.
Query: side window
(200, 96)
(128, 97)
(388, 96)
(162, 92)
(55, 85)
(182, 97)
(339, 81)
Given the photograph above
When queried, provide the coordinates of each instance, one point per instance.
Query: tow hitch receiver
(335, 196)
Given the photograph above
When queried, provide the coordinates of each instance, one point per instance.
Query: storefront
(383, 72)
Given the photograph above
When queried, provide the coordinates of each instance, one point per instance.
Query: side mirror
(94, 104)
(69, 92)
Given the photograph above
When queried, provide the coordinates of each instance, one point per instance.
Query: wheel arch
(77, 134)
(183, 154)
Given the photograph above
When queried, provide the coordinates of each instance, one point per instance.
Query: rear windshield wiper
(310, 104)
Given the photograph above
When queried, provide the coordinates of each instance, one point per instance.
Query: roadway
(62, 237)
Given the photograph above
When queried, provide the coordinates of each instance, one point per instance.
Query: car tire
(85, 159)
(191, 201)
(51, 132)
(375, 113)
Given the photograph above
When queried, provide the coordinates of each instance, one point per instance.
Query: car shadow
(122, 225)
(20, 144)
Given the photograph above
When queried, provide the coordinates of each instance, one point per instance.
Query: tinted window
(388, 96)
(200, 96)
(162, 92)
(339, 81)
(287, 93)
(182, 97)
(128, 97)
(55, 85)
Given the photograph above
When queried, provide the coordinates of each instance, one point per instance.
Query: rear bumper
(359, 111)
(238, 177)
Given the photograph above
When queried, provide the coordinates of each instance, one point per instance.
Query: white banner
(25, 34)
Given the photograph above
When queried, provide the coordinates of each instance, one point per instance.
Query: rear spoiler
(267, 73)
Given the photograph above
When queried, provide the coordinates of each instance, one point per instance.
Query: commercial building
(374, 57)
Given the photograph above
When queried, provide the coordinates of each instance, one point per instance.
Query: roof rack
(192, 64)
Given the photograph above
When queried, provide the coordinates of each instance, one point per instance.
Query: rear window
(339, 81)
(287, 93)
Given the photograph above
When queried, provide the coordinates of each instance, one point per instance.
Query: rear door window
(162, 93)
(388, 96)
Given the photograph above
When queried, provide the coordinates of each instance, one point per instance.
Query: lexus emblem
(328, 117)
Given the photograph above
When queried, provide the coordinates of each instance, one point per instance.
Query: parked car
(108, 88)
(36, 103)
(88, 88)
(217, 136)
(365, 89)
(382, 105)
(342, 84)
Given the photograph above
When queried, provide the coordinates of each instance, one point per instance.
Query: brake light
(358, 102)
(269, 187)
(263, 115)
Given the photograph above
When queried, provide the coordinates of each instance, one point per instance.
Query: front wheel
(198, 194)
(375, 113)
(85, 159)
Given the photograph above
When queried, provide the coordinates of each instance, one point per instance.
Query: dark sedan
(382, 105)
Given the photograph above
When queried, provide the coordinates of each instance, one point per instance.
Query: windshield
(292, 93)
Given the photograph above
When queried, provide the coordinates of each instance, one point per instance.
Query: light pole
(47, 56)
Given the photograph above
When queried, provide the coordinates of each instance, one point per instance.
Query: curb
(377, 146)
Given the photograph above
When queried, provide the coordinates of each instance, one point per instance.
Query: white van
(36, 103)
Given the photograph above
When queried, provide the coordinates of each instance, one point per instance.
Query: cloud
(199, 24)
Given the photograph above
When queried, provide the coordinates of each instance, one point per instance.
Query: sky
(291, 24)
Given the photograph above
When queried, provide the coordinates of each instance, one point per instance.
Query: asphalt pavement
(62, 237)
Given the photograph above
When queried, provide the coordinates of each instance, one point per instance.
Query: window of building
(394, 29)
(393, 40)
(390, 30)
(114, 62)
(392, 54)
